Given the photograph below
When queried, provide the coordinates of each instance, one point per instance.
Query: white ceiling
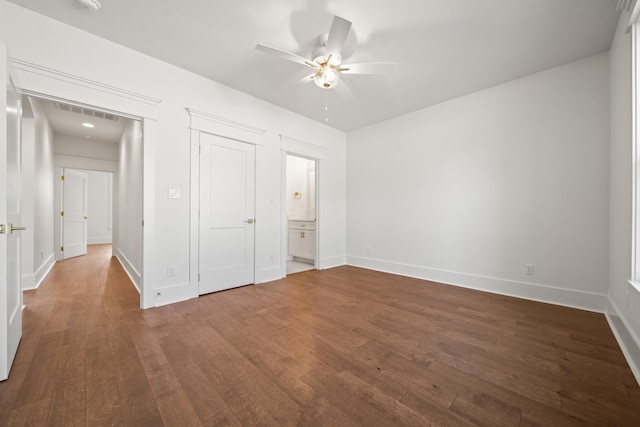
(67, 119)
(443, 48)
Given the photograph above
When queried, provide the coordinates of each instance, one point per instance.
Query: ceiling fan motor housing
(92, 5)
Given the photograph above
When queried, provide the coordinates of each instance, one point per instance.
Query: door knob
(11, 228)
(249, 221)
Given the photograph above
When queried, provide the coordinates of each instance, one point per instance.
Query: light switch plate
(174, 193)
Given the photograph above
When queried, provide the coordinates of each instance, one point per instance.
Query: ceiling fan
(326, 61)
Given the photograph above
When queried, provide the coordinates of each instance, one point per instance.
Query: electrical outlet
(528, 269)
(171, 271)
(368, 249)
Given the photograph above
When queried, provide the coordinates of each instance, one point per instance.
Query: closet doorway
(301, 213)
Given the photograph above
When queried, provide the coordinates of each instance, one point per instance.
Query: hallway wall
(128, 245)
(55, 46)
(40, 157)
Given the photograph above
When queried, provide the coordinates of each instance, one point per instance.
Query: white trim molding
(74, 162)
(194, 215)
(627, 339)
(42, 79)
(34, 280)
(128, 268)
(44, 269)
(297, 146)
(633, 6)
(202, 122)
(28, 282)
(45, 82)
(225, 127)
(534, 292)
(635, 161)
(332, 261)
(99, 240)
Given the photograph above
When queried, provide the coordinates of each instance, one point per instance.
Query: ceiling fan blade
(283, 54)
(368, 68)
(306, 79)
(337, 35)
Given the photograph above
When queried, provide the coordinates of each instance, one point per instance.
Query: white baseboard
(34, 280)
(98, 240)
(531, 291)
(269, 274)
(28, 282)
(128, 268)
(174, 293)
(330, 262)
(627, 339)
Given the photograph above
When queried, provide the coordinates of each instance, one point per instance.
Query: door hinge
(62, 213)
(198, 277)
(61, 248)
(143, 222)
(62, 177)
(199, 149)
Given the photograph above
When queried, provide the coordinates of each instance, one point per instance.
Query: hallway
(68, 352)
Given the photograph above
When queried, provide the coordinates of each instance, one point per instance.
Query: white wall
(623, 305)
(87, 148)
(129, 212)
(100, 207)
(298, 181)
(43, 180)
(53, 45)
(469, 191)
(27, 201)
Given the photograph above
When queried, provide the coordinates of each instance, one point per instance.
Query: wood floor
(340, 347)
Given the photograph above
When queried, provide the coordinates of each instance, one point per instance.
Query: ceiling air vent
(86, 111)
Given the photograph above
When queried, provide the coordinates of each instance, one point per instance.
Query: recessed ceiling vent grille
(86, 111)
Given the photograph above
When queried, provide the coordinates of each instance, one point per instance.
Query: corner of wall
(33, 281)
(628, 341)
(129, 268)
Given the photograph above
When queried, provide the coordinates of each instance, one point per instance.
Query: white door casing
(74, 206)
(10, 216)
(227, 206)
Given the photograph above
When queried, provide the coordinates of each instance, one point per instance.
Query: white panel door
(227, 198)
(75, 192)
(10, 217)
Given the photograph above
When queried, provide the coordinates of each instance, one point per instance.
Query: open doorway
(99, 152)
(301, 211)
(85, 200)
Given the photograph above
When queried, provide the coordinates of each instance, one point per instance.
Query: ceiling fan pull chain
(326, 107)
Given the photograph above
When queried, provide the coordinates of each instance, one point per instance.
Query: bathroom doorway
(301, 212)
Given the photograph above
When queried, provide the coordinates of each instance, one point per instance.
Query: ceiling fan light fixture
(92, 5)
(326, 59)
(327, 77)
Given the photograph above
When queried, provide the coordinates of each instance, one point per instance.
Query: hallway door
(10, 216)
(74, 213)
(227, 198)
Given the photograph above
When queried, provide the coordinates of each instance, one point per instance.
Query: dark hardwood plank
(344, 346)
